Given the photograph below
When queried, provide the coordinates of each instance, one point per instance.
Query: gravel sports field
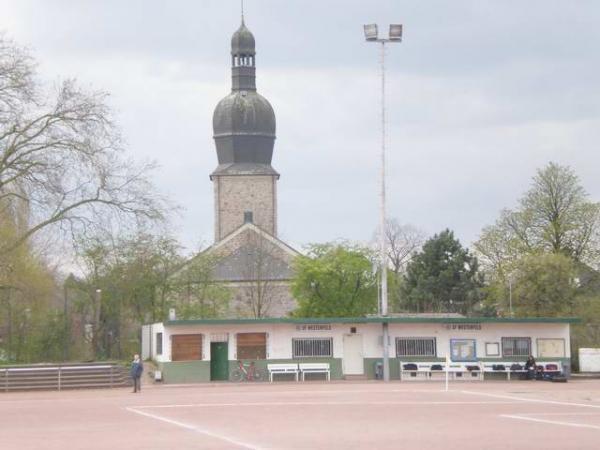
(311, 415)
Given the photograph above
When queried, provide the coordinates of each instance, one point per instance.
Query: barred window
(312, 347)
(415, 347)
(516, 346)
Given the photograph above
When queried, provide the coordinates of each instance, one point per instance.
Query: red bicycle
(247, 372)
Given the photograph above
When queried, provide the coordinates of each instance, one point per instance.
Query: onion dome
(244, 121)
(242, 41)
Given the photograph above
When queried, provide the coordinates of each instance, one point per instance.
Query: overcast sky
(480, 95)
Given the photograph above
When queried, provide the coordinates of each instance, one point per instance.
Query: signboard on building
(463, 326)
(314, 327)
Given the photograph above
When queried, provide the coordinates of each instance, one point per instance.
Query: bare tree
(403, 241)
(61, 158)
(263, 271)
(196, 293)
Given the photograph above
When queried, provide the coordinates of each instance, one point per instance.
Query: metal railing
(62, 376)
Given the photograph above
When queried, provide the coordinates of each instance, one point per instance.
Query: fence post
(111, 375)
(59, 376)
(6, 380)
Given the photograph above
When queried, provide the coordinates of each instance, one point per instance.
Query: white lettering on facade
(314, 327)
(463, 326)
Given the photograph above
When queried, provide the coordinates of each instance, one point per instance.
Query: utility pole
(66, 330)
(510, 295)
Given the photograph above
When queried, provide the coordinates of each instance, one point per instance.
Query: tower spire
(243, 55)
(244, 133)
(242, 1)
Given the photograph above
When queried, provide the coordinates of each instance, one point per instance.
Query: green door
(219, 363)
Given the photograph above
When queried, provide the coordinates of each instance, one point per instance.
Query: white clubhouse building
(208, 349)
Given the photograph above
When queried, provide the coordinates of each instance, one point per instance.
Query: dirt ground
(310, 415)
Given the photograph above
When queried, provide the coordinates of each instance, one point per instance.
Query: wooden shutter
(252, 346)
(186, 347)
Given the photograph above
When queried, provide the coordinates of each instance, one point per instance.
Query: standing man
(137, 367)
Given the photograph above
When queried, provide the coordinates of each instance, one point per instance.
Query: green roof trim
(373, 319)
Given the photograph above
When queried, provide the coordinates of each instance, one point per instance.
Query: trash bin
(379, 370)
(566, 370)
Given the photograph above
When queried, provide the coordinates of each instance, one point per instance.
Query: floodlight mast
(395, 35)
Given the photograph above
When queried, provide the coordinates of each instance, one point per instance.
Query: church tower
(245, 183)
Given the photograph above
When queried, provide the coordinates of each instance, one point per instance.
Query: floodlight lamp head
(371, 32)
(395, 32)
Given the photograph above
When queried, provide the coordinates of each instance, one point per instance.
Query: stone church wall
(279, 301)
(236, 194)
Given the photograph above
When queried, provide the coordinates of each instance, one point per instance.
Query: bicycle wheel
(259, 375)
(237, 375)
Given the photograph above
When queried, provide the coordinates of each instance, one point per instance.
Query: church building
(250, 259)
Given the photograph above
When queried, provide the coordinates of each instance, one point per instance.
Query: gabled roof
(263, 257)
(262, 233)
(230, 267)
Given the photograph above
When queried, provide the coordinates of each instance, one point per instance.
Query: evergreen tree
(443, 277)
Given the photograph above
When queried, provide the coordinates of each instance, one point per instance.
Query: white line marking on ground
(532, 400)
(418, 391)
(318, 403)
(561, 414)
(320, 391)
(254, 390)
(195, 428)
(550, 422)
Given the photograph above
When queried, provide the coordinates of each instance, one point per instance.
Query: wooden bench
(275, 369)
(315, 368)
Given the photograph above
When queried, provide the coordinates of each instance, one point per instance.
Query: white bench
(427, 370)
(488, 367)
(417, 370)
(497, 367)
(465, 371)
(315, 368)
(275, 369)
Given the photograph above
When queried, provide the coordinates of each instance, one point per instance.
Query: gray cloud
(481, 94)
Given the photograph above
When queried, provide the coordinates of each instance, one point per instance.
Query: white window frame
(420, 344)
(492, 349)
(310, 344)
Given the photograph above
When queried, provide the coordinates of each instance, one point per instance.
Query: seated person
(530, 367)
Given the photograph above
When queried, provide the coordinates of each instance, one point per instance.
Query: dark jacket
(136, 369)
(530, 364)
